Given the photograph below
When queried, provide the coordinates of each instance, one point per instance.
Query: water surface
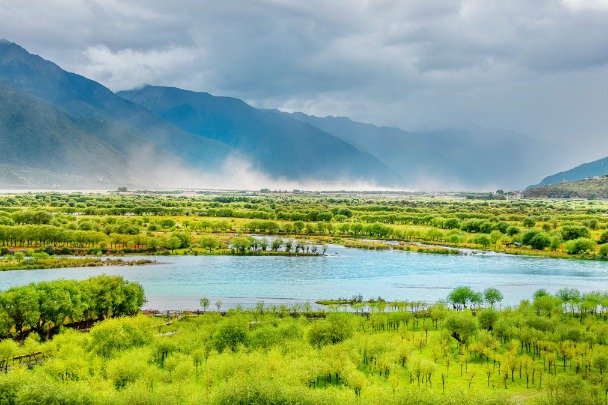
(177, 282)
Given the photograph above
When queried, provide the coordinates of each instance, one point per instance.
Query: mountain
(60, 129)
(591, 188)
(584, 171)
(276, 144)
(101, 118)
(462, 158)
(41, 137)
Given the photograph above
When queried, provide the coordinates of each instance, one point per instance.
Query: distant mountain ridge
(60, 129)
(276, 144)
(591, 188)
(467, 158)
(94, 108)
(131, 144)
(586, 170)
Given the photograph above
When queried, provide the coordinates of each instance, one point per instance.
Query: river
(177, 282)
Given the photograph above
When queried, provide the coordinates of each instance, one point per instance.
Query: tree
(600, 359)
(19, 256)
(276, 244)
(264, 244)
(204, 303)
(452, 223)
(487, 318)
(540, 241)
(333, 329)
(218, 304)
(230, 335)
(580, 245)
(288, 245)
(21, 307)
(173, 243)
(512, 230)
(184, 238)
(492, 296)
(209, 242)
(570, 232)
(483, 240)
(604, 250)
(462, 326)
(461, 296)
(240, 244)
(529, 222)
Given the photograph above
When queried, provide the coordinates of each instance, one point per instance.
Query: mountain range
(585, 171)
(590, 188)
(61, 130)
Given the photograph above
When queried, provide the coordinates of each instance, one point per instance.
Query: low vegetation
(296, 223)
(551, 349)
(592, 188)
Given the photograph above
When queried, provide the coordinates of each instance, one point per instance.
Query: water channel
(177, 282)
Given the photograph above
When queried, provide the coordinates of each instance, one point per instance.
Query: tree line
(44, 308)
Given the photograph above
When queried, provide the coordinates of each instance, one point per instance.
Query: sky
(536, 67)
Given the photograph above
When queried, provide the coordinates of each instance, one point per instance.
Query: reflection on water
(179, 281)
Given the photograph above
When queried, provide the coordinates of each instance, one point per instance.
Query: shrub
(580, 245)
(604, 250)
(334, 329)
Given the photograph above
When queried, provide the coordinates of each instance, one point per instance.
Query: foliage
(45, 307)
(334, 329)
(580, 245)
(461, 296)
(388, 356)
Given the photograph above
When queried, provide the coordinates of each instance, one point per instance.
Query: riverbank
(7, 264)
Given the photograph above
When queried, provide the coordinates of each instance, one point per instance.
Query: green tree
(529, 222)
(540, 241)
(580, 245)
(240, 244)
(482, 240)
(230, 334)
(209, 242)
(461, 296)
(335, 328)
(604, 250)
(492, 296)
(487, 317)
(204, 302)
(276, 244)
(173, 243)
(462, 326)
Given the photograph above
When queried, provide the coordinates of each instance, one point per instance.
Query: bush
(230, 335)
(334, 329)
(571, 232)
(580, 245)
(487, 318)
(604, 250)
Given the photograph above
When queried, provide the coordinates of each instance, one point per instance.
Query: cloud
(537, 67)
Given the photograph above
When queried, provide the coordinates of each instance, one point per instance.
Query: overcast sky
(538, 67)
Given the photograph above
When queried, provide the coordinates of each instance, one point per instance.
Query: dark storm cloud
(538, 67)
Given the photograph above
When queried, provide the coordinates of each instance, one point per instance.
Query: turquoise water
(177, 282)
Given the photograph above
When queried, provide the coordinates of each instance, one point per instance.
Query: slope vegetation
(592, 188)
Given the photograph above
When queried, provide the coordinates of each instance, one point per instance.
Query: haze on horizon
(539, 68)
